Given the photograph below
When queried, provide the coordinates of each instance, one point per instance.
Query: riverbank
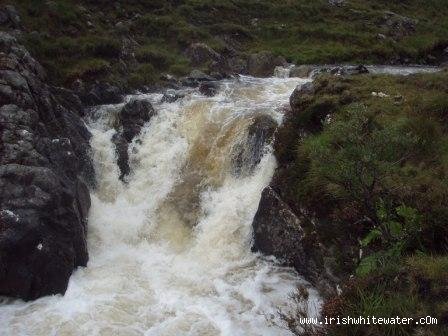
(362, 171)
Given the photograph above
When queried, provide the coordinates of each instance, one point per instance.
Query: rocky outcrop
(281, 228)
(209, 88)
(263, 64)
(299, 95)
(10, 18)
(69, 100)
(131, 119)
(398, 26)
(201, 54)
(229, 63)
(44, 168)
(302, 71)
(341, 70)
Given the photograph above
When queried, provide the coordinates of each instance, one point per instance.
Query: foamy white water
(170, 250)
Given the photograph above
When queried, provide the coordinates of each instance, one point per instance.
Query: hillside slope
(132, 43)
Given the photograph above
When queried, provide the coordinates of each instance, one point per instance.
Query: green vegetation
(64, 33)
(372, 171)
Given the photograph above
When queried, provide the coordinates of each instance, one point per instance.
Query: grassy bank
(366, 159)
(87, 39)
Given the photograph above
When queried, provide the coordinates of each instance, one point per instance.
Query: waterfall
(170, 248)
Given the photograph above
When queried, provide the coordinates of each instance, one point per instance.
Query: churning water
(170, 249)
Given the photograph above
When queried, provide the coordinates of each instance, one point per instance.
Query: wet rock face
(131, 119)
(44, 168)
(249, 154)
(133, 116)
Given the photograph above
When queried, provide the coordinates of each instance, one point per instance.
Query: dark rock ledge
(44, 171)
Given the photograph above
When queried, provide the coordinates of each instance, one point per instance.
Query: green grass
(414, 288)
(300, 30)
(374, 176)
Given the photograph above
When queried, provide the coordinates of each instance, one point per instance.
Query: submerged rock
(44, 168)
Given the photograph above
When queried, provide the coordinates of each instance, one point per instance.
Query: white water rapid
(170, 251)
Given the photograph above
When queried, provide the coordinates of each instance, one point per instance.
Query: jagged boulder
(263, 64)
(278, 231)
(131, 119)
(133, 116)
(44, 170)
